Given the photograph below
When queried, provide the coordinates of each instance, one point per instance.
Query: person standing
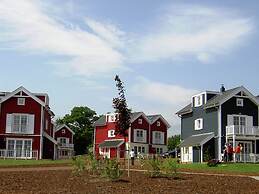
(237, 151)
(132, 156)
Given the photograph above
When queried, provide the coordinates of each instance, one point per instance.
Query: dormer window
(111, 118)
(198, 101)
(140, 121)
(21, 101)
(158, 123)
(240, 102)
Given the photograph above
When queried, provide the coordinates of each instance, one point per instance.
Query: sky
(164, 51)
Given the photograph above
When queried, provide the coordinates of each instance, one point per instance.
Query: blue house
(212, 119)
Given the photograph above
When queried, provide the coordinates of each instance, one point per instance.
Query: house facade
(146, 135)
(214, 119)
(64, 137)
(26, 130)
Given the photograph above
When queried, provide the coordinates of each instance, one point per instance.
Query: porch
(248, 138)
(19, 154)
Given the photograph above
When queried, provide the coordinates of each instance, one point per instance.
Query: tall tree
(80, 120)
(121, 107)
(173, 142)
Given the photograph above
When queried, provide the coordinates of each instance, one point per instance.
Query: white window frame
(240, 102)
(140, 121)
(158, 124)
(111, 133)
(20, 130)
(14, 152)
(63, 131)
(21, 101)
(198, 124)
(198, 100)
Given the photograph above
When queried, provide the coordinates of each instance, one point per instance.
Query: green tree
(173, 142)
(80, 120)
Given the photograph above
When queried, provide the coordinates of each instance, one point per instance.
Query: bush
(111, 170)
(93, 165)
(153, 167)
(213, 163)
(78, 164)
(170, 168)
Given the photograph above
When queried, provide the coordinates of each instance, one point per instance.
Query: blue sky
(164, 51)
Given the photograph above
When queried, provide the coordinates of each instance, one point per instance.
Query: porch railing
(242, 130)
(249, 158)
(19, 154)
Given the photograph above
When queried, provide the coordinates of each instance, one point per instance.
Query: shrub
(213, 163)
(153, 167)
(170, 168)
(78, 164)
(111, 170)
(93, 165)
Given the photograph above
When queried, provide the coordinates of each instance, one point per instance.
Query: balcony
(66, 145)
(242, 130)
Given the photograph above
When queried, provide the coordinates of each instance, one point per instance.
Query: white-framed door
(105, 152)
(19, 148)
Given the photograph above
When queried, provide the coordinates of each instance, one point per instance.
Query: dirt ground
(63, 181)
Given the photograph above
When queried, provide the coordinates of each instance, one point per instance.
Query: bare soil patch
(63, 181)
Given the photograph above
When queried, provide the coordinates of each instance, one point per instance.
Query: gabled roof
(22, 89)
(58, 127)
(136, 115)
(154, 118)
(220, 98)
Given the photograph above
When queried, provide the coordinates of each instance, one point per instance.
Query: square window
(240, 102)
(111, 133)
(21, 101)
(140, 121)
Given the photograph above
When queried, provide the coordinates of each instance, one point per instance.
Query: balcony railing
(249, 157)
(66, 145)
(242, 130)
(19, 154)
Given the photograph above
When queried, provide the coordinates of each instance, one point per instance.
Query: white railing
(242, 130)
(19, 154)
(66, 145)
(251, 157)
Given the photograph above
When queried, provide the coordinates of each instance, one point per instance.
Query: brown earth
(62, 181)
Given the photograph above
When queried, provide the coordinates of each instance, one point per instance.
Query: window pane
(23, 123)
(236, 120)
(16, 123)
(18, 148)
(242, 121)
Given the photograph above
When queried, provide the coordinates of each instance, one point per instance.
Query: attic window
(63, 131)
(21, 101)
(240, 102)
(140, 121)
(158, 123)
(198, 100)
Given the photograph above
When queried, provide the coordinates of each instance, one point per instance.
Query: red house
(64, 137)
(147, 135)
(26, 130)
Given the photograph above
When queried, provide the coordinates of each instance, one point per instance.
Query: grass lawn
(12, 162)
(244, 168)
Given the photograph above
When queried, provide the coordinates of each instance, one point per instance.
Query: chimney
(222, 89)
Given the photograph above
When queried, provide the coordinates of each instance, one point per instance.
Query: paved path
(51, 168)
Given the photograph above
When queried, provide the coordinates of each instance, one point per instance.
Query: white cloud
(166, 99)
(192, 31)
(26, 26)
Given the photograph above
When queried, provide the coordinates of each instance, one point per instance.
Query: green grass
(12, 162)
(244, 168)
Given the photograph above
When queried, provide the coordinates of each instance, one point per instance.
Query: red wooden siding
(144, 125)
(162, 128)
(67, 134)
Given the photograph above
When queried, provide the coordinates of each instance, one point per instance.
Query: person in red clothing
(230, 152)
